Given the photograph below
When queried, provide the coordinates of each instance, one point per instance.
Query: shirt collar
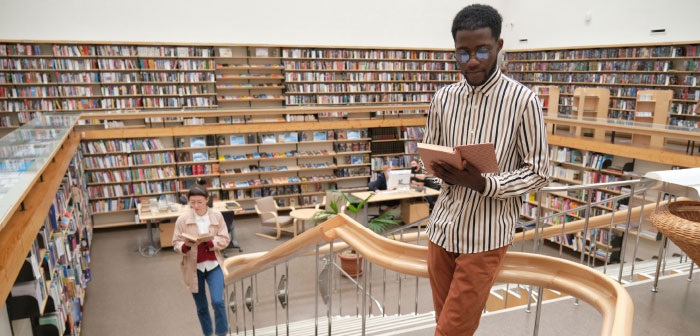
(488, 85)
(196, 216)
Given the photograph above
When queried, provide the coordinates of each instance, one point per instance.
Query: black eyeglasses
(482, 54)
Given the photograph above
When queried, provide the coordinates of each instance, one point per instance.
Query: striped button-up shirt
(508, 114)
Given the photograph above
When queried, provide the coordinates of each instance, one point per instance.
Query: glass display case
(24, 154)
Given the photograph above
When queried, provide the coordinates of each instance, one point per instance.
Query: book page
(203, 237)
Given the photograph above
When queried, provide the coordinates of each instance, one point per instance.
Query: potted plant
(350, 261)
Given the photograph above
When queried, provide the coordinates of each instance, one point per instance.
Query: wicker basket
(680, 222)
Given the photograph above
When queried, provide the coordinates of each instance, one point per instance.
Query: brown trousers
(461, 284)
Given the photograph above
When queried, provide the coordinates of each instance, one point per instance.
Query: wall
(407, 23)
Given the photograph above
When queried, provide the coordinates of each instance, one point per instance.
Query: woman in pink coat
(202, 262)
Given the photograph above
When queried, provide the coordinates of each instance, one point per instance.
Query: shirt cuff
(185, 248)
(492, 187)
(210, 244)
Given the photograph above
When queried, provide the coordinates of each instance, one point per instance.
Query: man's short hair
(475, 17)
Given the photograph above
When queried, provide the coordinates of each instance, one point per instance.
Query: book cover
(199, 238)
(268, 138)
(482, 156)
(225, 52)
(199, 156)
(320, 136)
(237, 139)
(198, 141)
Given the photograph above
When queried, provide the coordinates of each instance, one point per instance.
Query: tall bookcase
(326, 76)
(571, 166)
(548, 96)
(590, 103)
(46, 232)
(249, 76)
(622, 69)
(652, 106)
(61, 76)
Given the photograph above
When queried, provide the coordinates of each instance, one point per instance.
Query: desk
(150, 217)
(303, 215)
(393, 195)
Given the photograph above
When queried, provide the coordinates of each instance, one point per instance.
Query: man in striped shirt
(474, 217)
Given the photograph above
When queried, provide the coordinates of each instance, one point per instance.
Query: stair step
(350, 326)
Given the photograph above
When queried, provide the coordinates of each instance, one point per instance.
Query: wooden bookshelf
(652, 107)
(623, 70)
(332, 75)
(249, 76)
(590, 103)
(548, 96)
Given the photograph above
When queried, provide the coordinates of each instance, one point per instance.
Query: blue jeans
(215, 279)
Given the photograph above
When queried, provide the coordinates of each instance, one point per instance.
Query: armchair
(267, 209)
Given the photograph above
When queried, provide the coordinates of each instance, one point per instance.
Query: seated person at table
(417, 178)
(380, 182)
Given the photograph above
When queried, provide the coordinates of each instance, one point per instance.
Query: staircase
(511, 296)
(421, 324)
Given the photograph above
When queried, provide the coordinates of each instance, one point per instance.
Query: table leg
(150, 250)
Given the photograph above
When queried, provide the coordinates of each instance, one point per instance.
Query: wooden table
(393, 195)
(151, 217)
(302, 215)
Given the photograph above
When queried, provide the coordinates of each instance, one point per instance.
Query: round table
(302, 215)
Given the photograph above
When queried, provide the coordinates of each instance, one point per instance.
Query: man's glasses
(482, 54)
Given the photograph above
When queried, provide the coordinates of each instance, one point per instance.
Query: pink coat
(186, 223)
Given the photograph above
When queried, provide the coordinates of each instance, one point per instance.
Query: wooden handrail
(606, 295)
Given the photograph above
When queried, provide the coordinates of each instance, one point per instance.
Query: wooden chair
(267, 209)
(333, 196)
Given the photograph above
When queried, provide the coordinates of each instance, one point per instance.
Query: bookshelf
(249, 76)
(572, 166)
(47, 261)
(323, 76)
(621, 69)
(590, 103)
(118, 172)
(651, 106)
(63, 76)
(548, 96)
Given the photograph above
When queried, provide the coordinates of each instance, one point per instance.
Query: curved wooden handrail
(606, 295)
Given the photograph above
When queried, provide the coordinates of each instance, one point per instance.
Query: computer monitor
(398, 180)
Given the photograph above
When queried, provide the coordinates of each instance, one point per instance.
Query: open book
(200, 238)
(482, 156)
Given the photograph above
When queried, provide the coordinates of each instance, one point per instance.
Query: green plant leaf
(352, 207)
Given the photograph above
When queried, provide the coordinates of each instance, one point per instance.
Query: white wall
(403, 23)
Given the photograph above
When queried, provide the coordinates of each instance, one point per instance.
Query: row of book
(128, 145)
(84, 50)
(253, 193)
(134, 189)
(370, 65)
(359, 98)
(621, 52)
(128, 175)
(648, 65)
(110, 205)
(395, 162)
(601, 78)
(365, 54)
(360, 88)
(369, 76)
